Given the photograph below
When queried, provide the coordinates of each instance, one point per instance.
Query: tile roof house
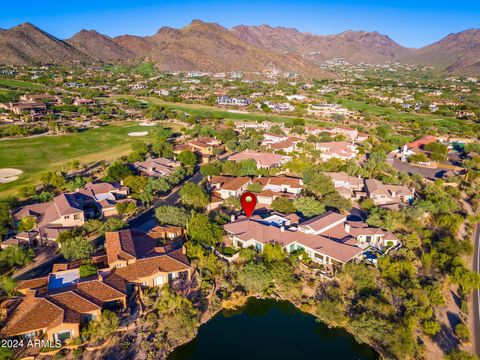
(264, 160)
(135, 257)
(337, 149)
(58, 306)
(283, 184)
(156, 167)
(327, 239)
(287, 146)
(383, 194)
(346, 185)
(69, 210)
(227, 186)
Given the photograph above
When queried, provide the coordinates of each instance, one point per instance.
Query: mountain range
(212, 47)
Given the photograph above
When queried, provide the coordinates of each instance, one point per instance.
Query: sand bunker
(148, 124)
(138, 133)
(8, 175)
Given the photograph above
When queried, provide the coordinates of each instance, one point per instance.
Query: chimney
(232, 217)
(184, 250)
(121, 182)
(282, 228)
(347, 227)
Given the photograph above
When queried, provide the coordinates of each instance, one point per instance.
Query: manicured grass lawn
(18, 84)
(392, 113)
(197, 109)
(38, 154)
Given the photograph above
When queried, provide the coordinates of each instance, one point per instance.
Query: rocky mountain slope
(456, 52)
(98, 46)
(354, 46)
(26, 44)
(211, 47)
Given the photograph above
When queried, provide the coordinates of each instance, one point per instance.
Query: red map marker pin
(248, 201)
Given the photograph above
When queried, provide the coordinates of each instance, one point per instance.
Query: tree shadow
(446, 338)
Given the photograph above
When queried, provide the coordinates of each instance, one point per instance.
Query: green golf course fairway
(35, 155)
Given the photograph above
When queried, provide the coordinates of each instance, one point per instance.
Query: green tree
(254, 277)
(8, 286)
(193, 195)
(75, 247)
(438, 151)
(187, 158)
(232, 203)
(27, 224)
(15, 257)
(431, 327)
(87, 270)
(309, 206)
(117, 171)
(211, 169)
(462, 332)
(113, 224)
(283, 205)
(248, 167)
(273, 253)
(317, 183)
(101, 328)
(201, 230)
(6, 205)
(171, 215)
(27, 191)
(126, 208)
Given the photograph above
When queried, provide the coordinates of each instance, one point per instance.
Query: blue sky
(410, 23)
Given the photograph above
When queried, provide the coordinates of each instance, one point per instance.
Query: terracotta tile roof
(32, 283)
(98, 291)
(68, 204)
(32, 314)
(344, 177)
(119, 245)
(73, 305)
(230, 183)
(419, 143)
(116, 281)
(323, 221)
(281, 180)
(264, 159)
(248, 230)
(148, 267)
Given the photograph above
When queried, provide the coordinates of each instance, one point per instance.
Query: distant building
(228, 101)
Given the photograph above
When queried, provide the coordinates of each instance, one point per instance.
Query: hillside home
(327, 239)
(58, 306)
(135, 259)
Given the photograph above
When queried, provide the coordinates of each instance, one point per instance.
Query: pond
(270, 329)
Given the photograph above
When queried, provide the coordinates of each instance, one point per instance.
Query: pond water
(269, 329)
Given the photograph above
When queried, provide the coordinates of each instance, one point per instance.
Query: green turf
(18, 84)
(197, 109)
(35, 155)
